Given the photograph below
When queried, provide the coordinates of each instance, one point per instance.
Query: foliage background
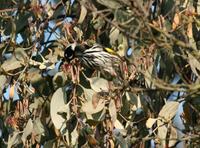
(153, 101)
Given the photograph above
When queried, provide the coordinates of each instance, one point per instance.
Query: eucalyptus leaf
(57, 101)
(162, 134)
(27, 130)
(20, 53)
(134, 100)
(74, 136)
(123, 16)
(169, 110)
(113, 4)
(114, 33)
(13, 64)
(39, 129)
(2, 82)
(194, 64)
(99, 84)
(50, 144)
(119, 137)
(83, 14)
(167, 7)
(79, 32)
(88, 93)
(98, 23)
(150, 122)
(112, 110)
(36, 104)
(14, 139)
(59, 79)
(89, 108)
(119, 127)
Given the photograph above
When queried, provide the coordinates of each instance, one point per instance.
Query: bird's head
(69, 52)
(72, 51)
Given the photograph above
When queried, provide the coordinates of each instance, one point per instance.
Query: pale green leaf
(88, 107)
(11, 64)
(99, 84)
(150, 122)
(88, 93)
(114, 33)
(50, 144)
(2, 82)
(82, 14)
(27, 130)
(14, 139)
(112, 110)
(119, 127)
(162, 134)
(114, 4)
(57, 102)
(169, 110)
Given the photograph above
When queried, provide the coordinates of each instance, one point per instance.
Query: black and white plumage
(95, 57)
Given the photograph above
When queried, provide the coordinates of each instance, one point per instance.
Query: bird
(96, 57)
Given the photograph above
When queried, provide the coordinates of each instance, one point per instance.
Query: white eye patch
(70, 57)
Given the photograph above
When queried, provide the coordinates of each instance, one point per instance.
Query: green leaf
(167, 6)
(38, 129)
(2, 82)
(88, 93)
(20, 53)
(83, 14)
(27, 130)
(119, 126)
(57, 102)
(150, 122)
(113, 4)
(89, 108)
(11, 64)
(14, 139)
(99, 84)
(124, 16)
(70, 132)
(50, 144)
(194, 64)
(74, 136)
(79, 32)
(118, 133)
(114, 33)
(112, 110)
(163, 130)
(59, 79)
(169, 110)
(50, 10)
(36, 104)
(134, 100)
(98, 23)
(22, 20)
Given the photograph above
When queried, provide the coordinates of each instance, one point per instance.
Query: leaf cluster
(153, 100)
